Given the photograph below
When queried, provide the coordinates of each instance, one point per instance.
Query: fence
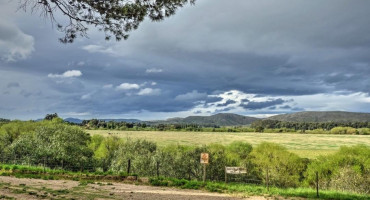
(155, 172)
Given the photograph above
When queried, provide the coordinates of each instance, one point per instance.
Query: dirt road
(15, 188)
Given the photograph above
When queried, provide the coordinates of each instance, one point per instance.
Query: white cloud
(107, 86)
(77, 114)
(191, 96)
(339, 101)
(14, 44)
(154, 70)
(99, 49)
(81, 63)
(154, 83)
(67, 74)
(128, 86)
(86, 96)
(149, 92)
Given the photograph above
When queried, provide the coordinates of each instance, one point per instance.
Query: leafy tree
(115, 17)
(51, 116)
(139, 152)
(104, 150)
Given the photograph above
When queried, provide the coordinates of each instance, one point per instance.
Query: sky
(250, 57)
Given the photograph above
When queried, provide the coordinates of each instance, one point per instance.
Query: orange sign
(204, 158)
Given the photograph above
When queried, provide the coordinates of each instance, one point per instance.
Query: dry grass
(305, 145)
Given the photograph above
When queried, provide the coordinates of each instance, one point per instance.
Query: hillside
(222, 119)
(327, 116)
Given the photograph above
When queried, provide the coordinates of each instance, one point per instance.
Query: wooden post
(44, 165)
(128, 166)
(157, 169)
(204, 172)
(317, 185)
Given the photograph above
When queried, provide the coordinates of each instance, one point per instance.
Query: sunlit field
(305, 145)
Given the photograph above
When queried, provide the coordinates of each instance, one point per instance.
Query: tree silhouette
(115, 17)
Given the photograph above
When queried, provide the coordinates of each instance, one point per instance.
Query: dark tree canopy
(115, 17)
(51, 116)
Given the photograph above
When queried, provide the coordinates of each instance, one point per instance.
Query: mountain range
(229, 119)
(327, 116)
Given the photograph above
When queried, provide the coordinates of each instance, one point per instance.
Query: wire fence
(58, 168)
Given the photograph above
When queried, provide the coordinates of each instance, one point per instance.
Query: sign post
(204, 159)
(234, 170)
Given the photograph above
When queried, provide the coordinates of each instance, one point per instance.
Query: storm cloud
(255, 57)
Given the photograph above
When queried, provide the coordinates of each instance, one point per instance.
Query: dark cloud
(212, 99)
(228, 102)
(253, 105)
(223, 110)
(268, 49)
(13, 84)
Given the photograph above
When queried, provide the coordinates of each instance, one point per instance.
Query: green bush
(344, 130)
(284, 168)
(158, 181)
(347, 170)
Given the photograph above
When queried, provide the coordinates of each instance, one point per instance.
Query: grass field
(305, 145)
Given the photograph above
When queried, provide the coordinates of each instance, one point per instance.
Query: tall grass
(251, 189)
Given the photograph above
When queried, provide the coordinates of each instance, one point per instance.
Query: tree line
(284, 126)
(269, 126)
(55, 144)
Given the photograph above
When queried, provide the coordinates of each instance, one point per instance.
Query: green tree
(104, 150)
(140, 154)
(114, 17)
(51, 116)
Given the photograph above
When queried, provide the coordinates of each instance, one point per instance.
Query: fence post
(317, 185)
(204, 172)
(157, 169)
(44, 164)
(128, 166)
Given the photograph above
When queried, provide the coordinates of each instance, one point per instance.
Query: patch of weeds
(65, 191)
(160, 181)
(84, 183)
(6, 197)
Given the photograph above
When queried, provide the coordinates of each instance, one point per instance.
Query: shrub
(284, 168)
(349, 170)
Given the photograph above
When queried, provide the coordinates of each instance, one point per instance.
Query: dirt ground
(22, 188)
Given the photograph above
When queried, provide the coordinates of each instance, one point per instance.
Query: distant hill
(73, 120)
(324, 116)
(222, 119)
(79, 121)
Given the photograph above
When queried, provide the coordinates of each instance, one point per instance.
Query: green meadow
(304, 145)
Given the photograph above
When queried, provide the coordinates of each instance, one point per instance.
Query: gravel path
(22, 188)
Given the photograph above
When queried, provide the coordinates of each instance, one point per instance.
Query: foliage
(47, 142)
(51, 116)
(348, 170)
(344, 130)
(278, 166)
(138, 153)
(115, 17)
(54, 144)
